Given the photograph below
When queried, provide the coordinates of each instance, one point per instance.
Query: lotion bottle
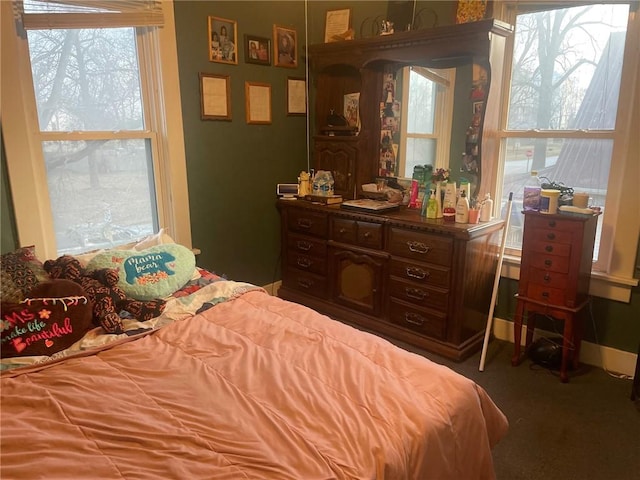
(462, 208)
(487, 208)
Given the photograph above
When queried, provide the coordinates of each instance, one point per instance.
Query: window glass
(100, 172)
(101, 192)
(86, 79)
(563, 100)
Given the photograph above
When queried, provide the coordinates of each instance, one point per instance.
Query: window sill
(602, 285)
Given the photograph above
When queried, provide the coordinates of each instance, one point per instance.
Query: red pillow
(54, 316)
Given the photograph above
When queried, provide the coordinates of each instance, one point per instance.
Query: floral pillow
(155, 272)
(20, 271)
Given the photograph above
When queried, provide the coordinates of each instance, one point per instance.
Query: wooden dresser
(419, 280)
(555, 273)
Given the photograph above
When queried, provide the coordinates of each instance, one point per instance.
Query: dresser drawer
(306, 245)
(549, 262)
(546, 278)
(420, 273)
(549, 235)
(307, 262)
(550, 248)
(364, 234)
(304, 221)
(306, 282)
(542, 293)
(424, 247)
(421, 320)
(539, 222)
(421, 295)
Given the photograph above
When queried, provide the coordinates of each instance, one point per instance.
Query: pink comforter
(253, 388)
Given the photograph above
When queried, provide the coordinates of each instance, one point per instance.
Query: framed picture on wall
(223, 40)
(296, 96)
(258, 102)
(257, 50)
(285, 42)
(215, 97)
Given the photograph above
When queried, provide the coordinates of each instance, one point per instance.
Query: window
(101, 148)
(568, 67)
(428, 94)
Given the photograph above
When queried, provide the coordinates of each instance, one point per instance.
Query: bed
(230, 382)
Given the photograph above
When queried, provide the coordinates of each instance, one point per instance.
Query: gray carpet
(587, 429)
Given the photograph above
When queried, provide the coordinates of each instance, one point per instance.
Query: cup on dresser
(581, 200)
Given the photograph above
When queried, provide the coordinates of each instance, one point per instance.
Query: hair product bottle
(462, 208)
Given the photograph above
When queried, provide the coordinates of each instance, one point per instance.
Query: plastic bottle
(487, 208)
(462, 208)
(531, 198)
(449, 212)
(432, 206)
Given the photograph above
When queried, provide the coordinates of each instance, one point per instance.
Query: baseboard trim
(609, 359)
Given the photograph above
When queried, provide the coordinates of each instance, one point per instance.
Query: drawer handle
(414, 318)
(547, 277)
(304, 223)
(552, 223)
(545, 294)
(304, 262)
(302, 245)
(551, 236)
(416, 293)
(548, 262)
(418, 247)
(342, 231)
(549, 248)
(367, 234)
(416, 272)
(304, 283)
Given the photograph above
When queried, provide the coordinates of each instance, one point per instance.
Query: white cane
(496, 282)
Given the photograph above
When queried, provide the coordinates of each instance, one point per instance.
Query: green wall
(233, 167)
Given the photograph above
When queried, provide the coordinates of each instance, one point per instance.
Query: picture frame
(296, 96)
(477, 107)
(285, 47)
(258, 103)
(337, 23)
(223, 40)
(257, 50)
(215, 97)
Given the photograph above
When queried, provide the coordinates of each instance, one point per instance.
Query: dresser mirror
(441, 124)
(449, 74)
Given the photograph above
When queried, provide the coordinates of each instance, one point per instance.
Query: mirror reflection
(440, 124)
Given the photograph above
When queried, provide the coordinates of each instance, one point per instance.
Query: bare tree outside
(99, 167)
(565, 81)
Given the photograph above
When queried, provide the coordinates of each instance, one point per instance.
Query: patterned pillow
(20, 271)
(156, 272)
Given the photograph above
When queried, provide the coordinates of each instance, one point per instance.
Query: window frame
(614, 276)
(23, 139)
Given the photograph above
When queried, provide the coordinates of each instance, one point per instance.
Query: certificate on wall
(258, 102)
(336, 24)
(296, 96)
(215, 97)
